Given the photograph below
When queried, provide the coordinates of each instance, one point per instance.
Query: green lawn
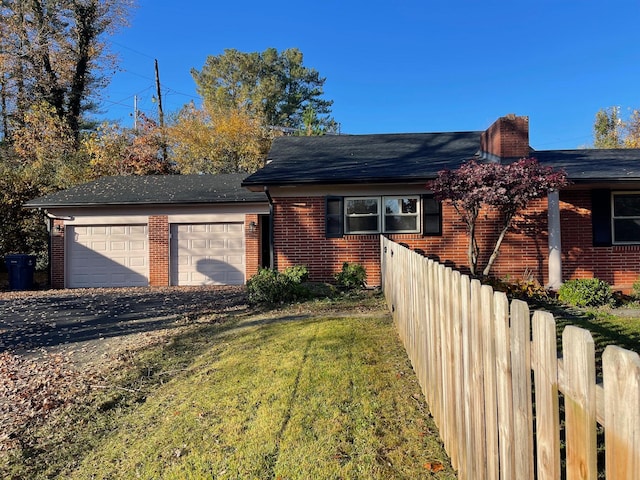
(608, 327)
(282, 396)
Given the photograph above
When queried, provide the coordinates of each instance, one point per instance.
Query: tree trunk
(496, 248)
(86, 17)
(472, 250)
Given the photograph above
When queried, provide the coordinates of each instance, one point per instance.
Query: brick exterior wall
(158, 251)
(57, 255)
(299, 239)
(618, 265)
(252, 241)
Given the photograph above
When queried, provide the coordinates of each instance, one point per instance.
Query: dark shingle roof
(153, 190)
(364, 158)
(592, 165)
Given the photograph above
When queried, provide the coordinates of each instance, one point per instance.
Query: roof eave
(258, 186)
(138, 204)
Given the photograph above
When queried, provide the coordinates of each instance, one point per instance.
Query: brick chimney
(506, 139)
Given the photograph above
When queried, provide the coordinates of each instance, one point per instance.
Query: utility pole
(160, 113)
(135, 112)
(158, 91)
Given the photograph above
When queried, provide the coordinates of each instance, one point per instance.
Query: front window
(362, 215)
(401, 214)
(388, 214)
(626, 217)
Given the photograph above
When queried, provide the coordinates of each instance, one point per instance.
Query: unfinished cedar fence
(474, 353)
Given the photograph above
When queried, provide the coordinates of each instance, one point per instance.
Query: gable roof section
(378, 158)
(152, 190)
(594, 165)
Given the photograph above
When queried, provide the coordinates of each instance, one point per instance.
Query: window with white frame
(362, 215)
(401, 214)
(387, 214)
(625, 217)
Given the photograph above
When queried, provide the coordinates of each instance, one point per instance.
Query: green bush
(269, 286)
(298, 273)
(353, 275)
(636, 289)
(586, 292)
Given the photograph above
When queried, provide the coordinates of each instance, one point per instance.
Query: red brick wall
(617, 265)
(158, 251)
(252, 245)
(299, 239)
(57, 254)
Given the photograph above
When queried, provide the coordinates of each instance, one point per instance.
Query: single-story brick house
(333, 196)
(321, 201)
(155, 230)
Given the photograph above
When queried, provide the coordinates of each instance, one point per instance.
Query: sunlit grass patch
(297, 398)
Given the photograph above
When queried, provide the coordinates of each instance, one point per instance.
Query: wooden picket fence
(474, 353)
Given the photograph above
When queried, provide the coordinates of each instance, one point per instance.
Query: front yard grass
(620, 326)
(283, 395)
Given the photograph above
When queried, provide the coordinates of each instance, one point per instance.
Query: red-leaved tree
(507, 188)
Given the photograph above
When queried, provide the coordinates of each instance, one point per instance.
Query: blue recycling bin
(20, 268)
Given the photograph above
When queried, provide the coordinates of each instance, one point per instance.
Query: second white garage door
(207, 254)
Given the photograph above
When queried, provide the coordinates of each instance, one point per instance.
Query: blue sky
(405, 65)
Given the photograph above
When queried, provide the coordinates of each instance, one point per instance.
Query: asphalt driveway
(75, 320)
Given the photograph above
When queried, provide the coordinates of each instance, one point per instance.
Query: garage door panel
(207, 254)
(108, 256)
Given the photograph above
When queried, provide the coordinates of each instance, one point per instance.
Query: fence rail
(492, 376)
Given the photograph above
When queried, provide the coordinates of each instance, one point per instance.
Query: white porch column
(555, 242)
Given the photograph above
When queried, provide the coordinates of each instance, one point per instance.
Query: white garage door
(207, 254)
(107, 256)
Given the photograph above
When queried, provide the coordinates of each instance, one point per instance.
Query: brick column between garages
(158, 251)
(57, 255)
(252, 244)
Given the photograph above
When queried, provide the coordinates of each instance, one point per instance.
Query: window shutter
(431, 216)
(601, 217)
(334, 217)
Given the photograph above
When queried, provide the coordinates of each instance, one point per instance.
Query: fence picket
(490, 394)
(521, 381)
(621, 376)
(547, 400)
(477, 379)
(504, 388)
(467, 385)
(578, 352)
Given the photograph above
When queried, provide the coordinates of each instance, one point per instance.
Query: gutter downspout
(271, 233)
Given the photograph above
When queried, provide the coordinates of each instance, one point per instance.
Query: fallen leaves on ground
(434, 467)
(57, 346)
(31, 389)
